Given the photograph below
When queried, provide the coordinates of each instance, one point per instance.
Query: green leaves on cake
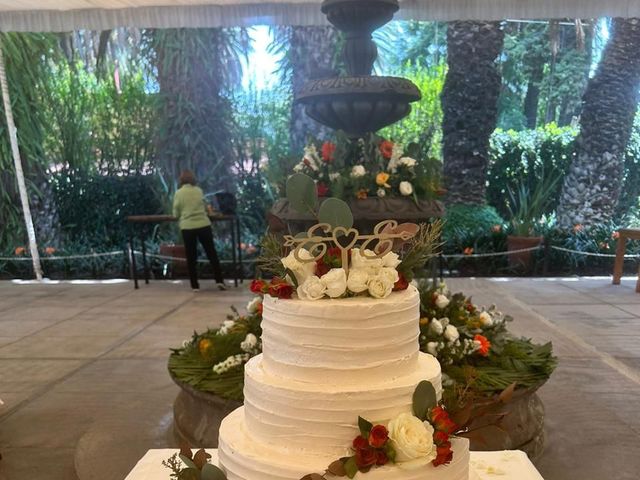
(188, 466)
(334, 260)
(409, 441)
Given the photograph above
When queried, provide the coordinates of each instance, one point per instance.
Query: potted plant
(527, 207)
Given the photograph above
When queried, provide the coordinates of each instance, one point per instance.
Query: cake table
(505, 465)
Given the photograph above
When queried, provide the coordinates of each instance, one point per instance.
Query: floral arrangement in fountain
(370, 167)
(333, 260)
(482, 363)
(213, 361)
(409, 441)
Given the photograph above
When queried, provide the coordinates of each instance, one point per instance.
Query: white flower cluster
(310, 159)
(251, 344)
(254, 305)
(377, 276)
(226, 326)
(231, 362)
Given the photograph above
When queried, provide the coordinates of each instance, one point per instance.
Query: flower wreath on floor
(370, 167)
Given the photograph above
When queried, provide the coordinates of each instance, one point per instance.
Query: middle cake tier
(349, 341)
(322, 417)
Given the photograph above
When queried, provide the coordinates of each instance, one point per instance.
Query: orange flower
(484, 343)
(578, 227)
(496, 228)
(50, 250)
(386, 148)
(20, 250)
(615, 235)
(204, 345)
(468, 251)
(362, 194)
(328, 149)
(382, 178)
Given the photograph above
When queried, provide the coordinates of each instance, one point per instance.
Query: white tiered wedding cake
(325, 364)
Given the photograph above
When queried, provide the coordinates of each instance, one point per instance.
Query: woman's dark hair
(187, 176)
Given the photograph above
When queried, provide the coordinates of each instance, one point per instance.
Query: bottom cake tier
(242, 458)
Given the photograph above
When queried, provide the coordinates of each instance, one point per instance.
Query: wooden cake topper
(317, 239)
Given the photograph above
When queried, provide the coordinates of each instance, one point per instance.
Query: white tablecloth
(506, 465)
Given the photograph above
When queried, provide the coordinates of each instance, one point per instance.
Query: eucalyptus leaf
(189, 474)
(336, 213)
(302, 193)
(350, 467)
(365, 426)
(424, 399)
(211, 472)
(188, 462)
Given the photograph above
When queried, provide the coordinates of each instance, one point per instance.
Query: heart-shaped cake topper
(381, 242)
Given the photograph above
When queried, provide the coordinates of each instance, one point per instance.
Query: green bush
(470, 219)
(527, 155)
(93, 208)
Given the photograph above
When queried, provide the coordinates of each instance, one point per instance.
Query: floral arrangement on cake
(370, 167)
(213, 361)
(333, 260)
(189, 466)
(409, 441)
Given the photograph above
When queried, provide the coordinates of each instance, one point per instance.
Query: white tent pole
(22, 187)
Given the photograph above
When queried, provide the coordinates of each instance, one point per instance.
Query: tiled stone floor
(83, 371)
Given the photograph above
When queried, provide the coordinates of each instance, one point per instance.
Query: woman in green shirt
(189, 207)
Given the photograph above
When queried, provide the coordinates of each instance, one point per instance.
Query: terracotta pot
(197, 415)
(522, 427)
(521, 260)
(178, 268)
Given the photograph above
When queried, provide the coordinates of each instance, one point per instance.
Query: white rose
(357, 281)
(432, 348)
(381, 192)
(451, 333)
(302, 270)
(442, 301)
(380, 286)
(252, 306)
(412, 440)
(335, 280)
(361, 261)
(391, 259)
(250, 342)
(408, 162)
(406, 188)
(389, 274)
(436, 327)
(312, 289)
(485, 319)
(358, 171)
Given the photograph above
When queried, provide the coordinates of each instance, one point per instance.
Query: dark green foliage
(93, 208)
(470, 219)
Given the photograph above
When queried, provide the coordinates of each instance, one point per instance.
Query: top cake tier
(355, 340)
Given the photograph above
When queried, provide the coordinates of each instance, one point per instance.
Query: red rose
(321, 268)
(322, 189)
(360, 442)
(440, 437)
(280, 289)
(441, 421)
(386, 148)
(401, 284)
(444, 455)
(378, 436)
(381, 458)
(334, 252)
(485, 345)
(365, 457)
(258, 286)
(328, 149)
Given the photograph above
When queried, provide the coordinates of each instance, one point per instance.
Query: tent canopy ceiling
(65, 15)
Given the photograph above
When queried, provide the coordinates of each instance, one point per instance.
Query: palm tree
(592, 185)
(311, 55)
(470, 107)
(196, 68)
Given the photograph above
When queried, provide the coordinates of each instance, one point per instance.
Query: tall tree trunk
(592, 185)
(470, 107)
(312, 56)
(533, 95)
